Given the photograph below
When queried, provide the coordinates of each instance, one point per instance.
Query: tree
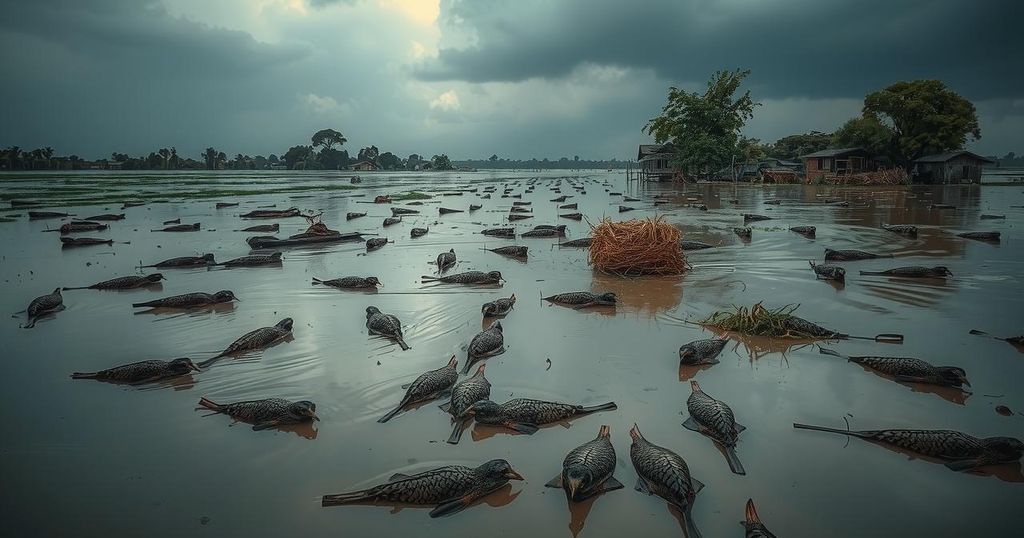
(865, 132)
(272, 159)
(221, 159)
(389, 161)
(924, 117)
(332, 159)
(793, 146)
(750, 150)
(441, 162)
(704, 128)
(210, 156)
(165, 155)
(368, 154)
(494, 158)
(327, 138)
(296, 155)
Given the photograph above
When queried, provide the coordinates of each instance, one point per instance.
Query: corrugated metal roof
(839, 152)
(943, 157)
(650, 149)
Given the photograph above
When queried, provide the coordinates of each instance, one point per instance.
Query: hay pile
(637, 247)
(758, 321)
(888, 176)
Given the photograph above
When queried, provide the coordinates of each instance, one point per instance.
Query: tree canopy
(327, 138)
(704, 128)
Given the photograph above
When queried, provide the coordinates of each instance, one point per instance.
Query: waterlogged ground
(95, 459)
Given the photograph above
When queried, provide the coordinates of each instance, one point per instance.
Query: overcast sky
(519, 78)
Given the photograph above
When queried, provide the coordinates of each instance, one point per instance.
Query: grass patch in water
(757, 321)
(411, 195)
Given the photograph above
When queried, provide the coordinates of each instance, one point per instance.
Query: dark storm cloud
(796, 48)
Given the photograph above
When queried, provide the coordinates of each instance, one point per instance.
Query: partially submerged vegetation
(758, 321)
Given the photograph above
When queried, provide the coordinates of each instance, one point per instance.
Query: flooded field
(98, 459)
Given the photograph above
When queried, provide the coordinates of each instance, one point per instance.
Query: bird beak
(314, 417)
(573, 486)
(452, 362)
(965, 381)
(194, 367)
(511, 474)
(468, 413)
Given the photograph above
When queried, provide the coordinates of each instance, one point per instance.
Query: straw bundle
(637, 247)
(757, 321)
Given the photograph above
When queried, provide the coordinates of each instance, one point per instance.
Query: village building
(950, 167)
(830, 163)
(363, 166)
(656, 161)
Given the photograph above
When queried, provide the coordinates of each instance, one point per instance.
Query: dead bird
(847, 255)
(513, 251)
(559, 199)
(123, 283)
(774, 201)
(702, 351)
(451, 488)
(350, 282)
(522, 203)
(396, 211)
(266, 413)
(142, 372)
(83, 241)
(555, 231)
(262, 228)
(417, 232)
(979, 236)
(630, 199)
(40, 215)
(375, 243)
(572, 216)
(623, 208)
(962, 452)
(106, 217)
(519, 216)
(473, 207)
(941, 206)
(583, 242)
(519, 209)
(806, 231)
(524, 415)
(447, 211)
(714, 419)
(569, 206)
(253, 340)
(508, 233)
(909, 370)
(180, 228)
(392, 220)
(828, 272)
(254, 260)
(838, 203)
(498, 307)
(172, 221)
(794, 324)
(913, 271)
(189, 300)
(582, 299)
(82, 226)
(186, 261)
(1015, 341)
(469, 277)
(464, 394)
(694, 245)
(664, 473)
(986, 216)
(587, 469)
(350, 216)
(755, 528)
(272, 213)
(428, 386)
(445, 260)
(487, 343)
(222, 205)
(132, 203)
(902, 229)
(751, 217)
(385, 325)
(744, 232)
(43, 305)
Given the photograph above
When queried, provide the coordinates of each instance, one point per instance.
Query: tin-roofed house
(830, 163)
(656, 161)
(950, 167)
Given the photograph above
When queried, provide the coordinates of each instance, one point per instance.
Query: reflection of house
(655, 160)
(365, 166)
(951, 167)
(829, 163)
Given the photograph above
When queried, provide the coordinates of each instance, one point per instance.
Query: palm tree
(48, 155)
(165, 154)
(174, 157)
(210, 156)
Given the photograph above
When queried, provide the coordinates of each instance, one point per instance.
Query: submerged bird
(583, 242)
(750, 217)
(828, 272)
(42, 305)
(485, 344)
(702, 351)
(498, 307)
(39, 215)
(582, 299)
(82, 226)
(418, 232)
(980, 236)
(913, 271)
(396, 211)
(83, 241)
(445, 260)
(428, 386)
(266, 413)
(806, 231)
(587, 469)
(909, 369)
(714, 419)
(350, 216)
(755, 528)
(474, 207)
(451, 488)
(852, 255)
(180, 228)
(469, 277)
(796, 324)
(508, 233)
(375, 243)
(258, 339)
(546, 231)
(350, 282)
(254, 260)
(524, 415)
(107, 217)
(513, 251)
(902, 229)
(464, 394)
(392, 220)
(185, 261)
(744, 232)
(123, 283)
(694, 245)
(141, 372)
(962, 452)
(262, 228)
(385, 325)
(665, 474)
(189, 300)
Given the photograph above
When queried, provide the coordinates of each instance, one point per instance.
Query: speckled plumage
(352, 215)
(189, 300)
(513, 251)
(909, 369)
(807, 231)
(428, 386)
(744, 232)
(180, 228)
(124, 283)
(498, 307)
(485, 344)
(751, 217)
(508, 233)
(664, 473)
(258, 339)
(141, 372)
(42, 305)
(254, 260)
(694, 245)
(82, 226)
(83, 241)
(266, 413)
(524, 414)
(583, 242)
(464, 394)
(396, 211)
(445, 260)
(375, 243)
(796, 324)
(385, 325)
(752, 523)
(582, 299)
(418, 232)
(558, 231)
(587, 469)
(715, 419)
(851, 255)
(350, 282)
(902, 229)
(469, 277)
(451, 488)
(186, 261)
(106, 217)
(702, 351)
(392, 220)
(828, 272)
(913, 271)
(262, 228)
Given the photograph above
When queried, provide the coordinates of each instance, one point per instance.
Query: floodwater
(97, 459)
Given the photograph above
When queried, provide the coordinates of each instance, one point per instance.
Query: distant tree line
(564, 163)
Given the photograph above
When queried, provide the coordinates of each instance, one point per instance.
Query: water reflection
(649, 295)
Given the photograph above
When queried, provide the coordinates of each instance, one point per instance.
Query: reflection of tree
(650, 295)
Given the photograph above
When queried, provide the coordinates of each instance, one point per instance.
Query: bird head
(499, 469)
(155, 277)
(304, 409)
(606, 298)
(494, 275)
(285, 324)
(373, 281)
(942, 270)
(224, 296)
(1004, 448)
(372, 311)
(183, 366)
(576, 478)
(687, 354)
(954, 376)
(482, 408)
(208, 258)
(276, 256)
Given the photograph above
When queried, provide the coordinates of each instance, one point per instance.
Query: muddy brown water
(98, 459)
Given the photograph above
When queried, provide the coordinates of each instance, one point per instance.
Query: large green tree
(924, 117)
(704, 128)
(327, 138)
(793, 146)
(866, 132)
(441, 162)
(369, 154)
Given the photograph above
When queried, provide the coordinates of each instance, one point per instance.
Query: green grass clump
(758, 321)
(411, 195)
